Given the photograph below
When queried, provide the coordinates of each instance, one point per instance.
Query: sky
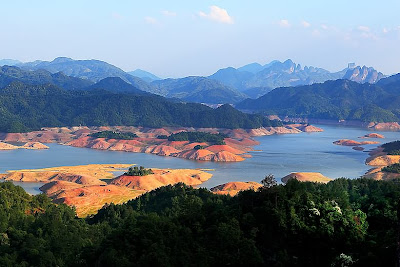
(182, 38)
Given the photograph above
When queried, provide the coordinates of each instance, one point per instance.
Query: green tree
(269, 181)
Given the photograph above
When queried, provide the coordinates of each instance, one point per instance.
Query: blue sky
(181, 38)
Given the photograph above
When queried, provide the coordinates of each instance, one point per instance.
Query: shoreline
(90, 187)
(247, 175)
(374, 126)
(237, 144)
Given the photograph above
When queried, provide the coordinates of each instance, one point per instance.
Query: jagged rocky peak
(363, 74)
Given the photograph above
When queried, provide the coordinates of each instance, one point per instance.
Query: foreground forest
(342, 223)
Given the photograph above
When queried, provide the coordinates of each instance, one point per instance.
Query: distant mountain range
(94, 70)
(9, 74)
(198, 89)
(9, 62)
(227, 85)
(337, 100)
(256, 80)
(50, 96)
(144, 75)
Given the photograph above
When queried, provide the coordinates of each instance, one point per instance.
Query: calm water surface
(276, 154)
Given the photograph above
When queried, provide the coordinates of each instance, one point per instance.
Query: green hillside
(337, 100)
(29, 107)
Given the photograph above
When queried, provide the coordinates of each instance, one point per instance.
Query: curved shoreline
(236, 148)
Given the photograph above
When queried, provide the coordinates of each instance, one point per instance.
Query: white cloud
(368, 35)
(151, 20)
(385, 30)
(305, 24)
(324, 27)
(364, 28)
(217, 14)
(168, 13)
(284, 23)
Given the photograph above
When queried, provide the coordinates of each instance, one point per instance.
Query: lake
(276, 154)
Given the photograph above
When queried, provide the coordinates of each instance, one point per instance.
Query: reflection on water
(279, 155)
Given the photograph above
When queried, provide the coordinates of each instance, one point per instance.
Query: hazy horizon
(177, 39)
(212, 71)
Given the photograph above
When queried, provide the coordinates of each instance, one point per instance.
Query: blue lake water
(276, 154)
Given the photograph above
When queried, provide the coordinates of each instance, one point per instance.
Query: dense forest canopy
(392, 148)
(394, 168)
(336, 100)
(26, 107)
(342, 223)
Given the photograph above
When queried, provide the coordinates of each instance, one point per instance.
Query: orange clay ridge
(90, 187)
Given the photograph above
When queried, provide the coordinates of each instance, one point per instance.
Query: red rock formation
(100, 143)
(219, 148)
(88, 199)
(193, 154)
(6, 146)
(307, 177)
(160, 150)
(232, 188)
(223, 156)
(373, 135)
(383, 160)
(124, 147)
(52, 189)
(35, 145)
(242, 142)
(348, 142)
(162, 178)
(309, 128)
(46, 176)
(384, 126)
(192, 145)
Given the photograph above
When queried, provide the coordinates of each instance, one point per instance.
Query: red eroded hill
(224, 156)
(219, 148)
(193, 154)
(232, 188)
(162, 178)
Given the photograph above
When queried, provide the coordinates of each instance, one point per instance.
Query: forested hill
(342, 223)
(26, 107)
(340, 99)
(116, 85)
(198, 89)
(10, 74)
